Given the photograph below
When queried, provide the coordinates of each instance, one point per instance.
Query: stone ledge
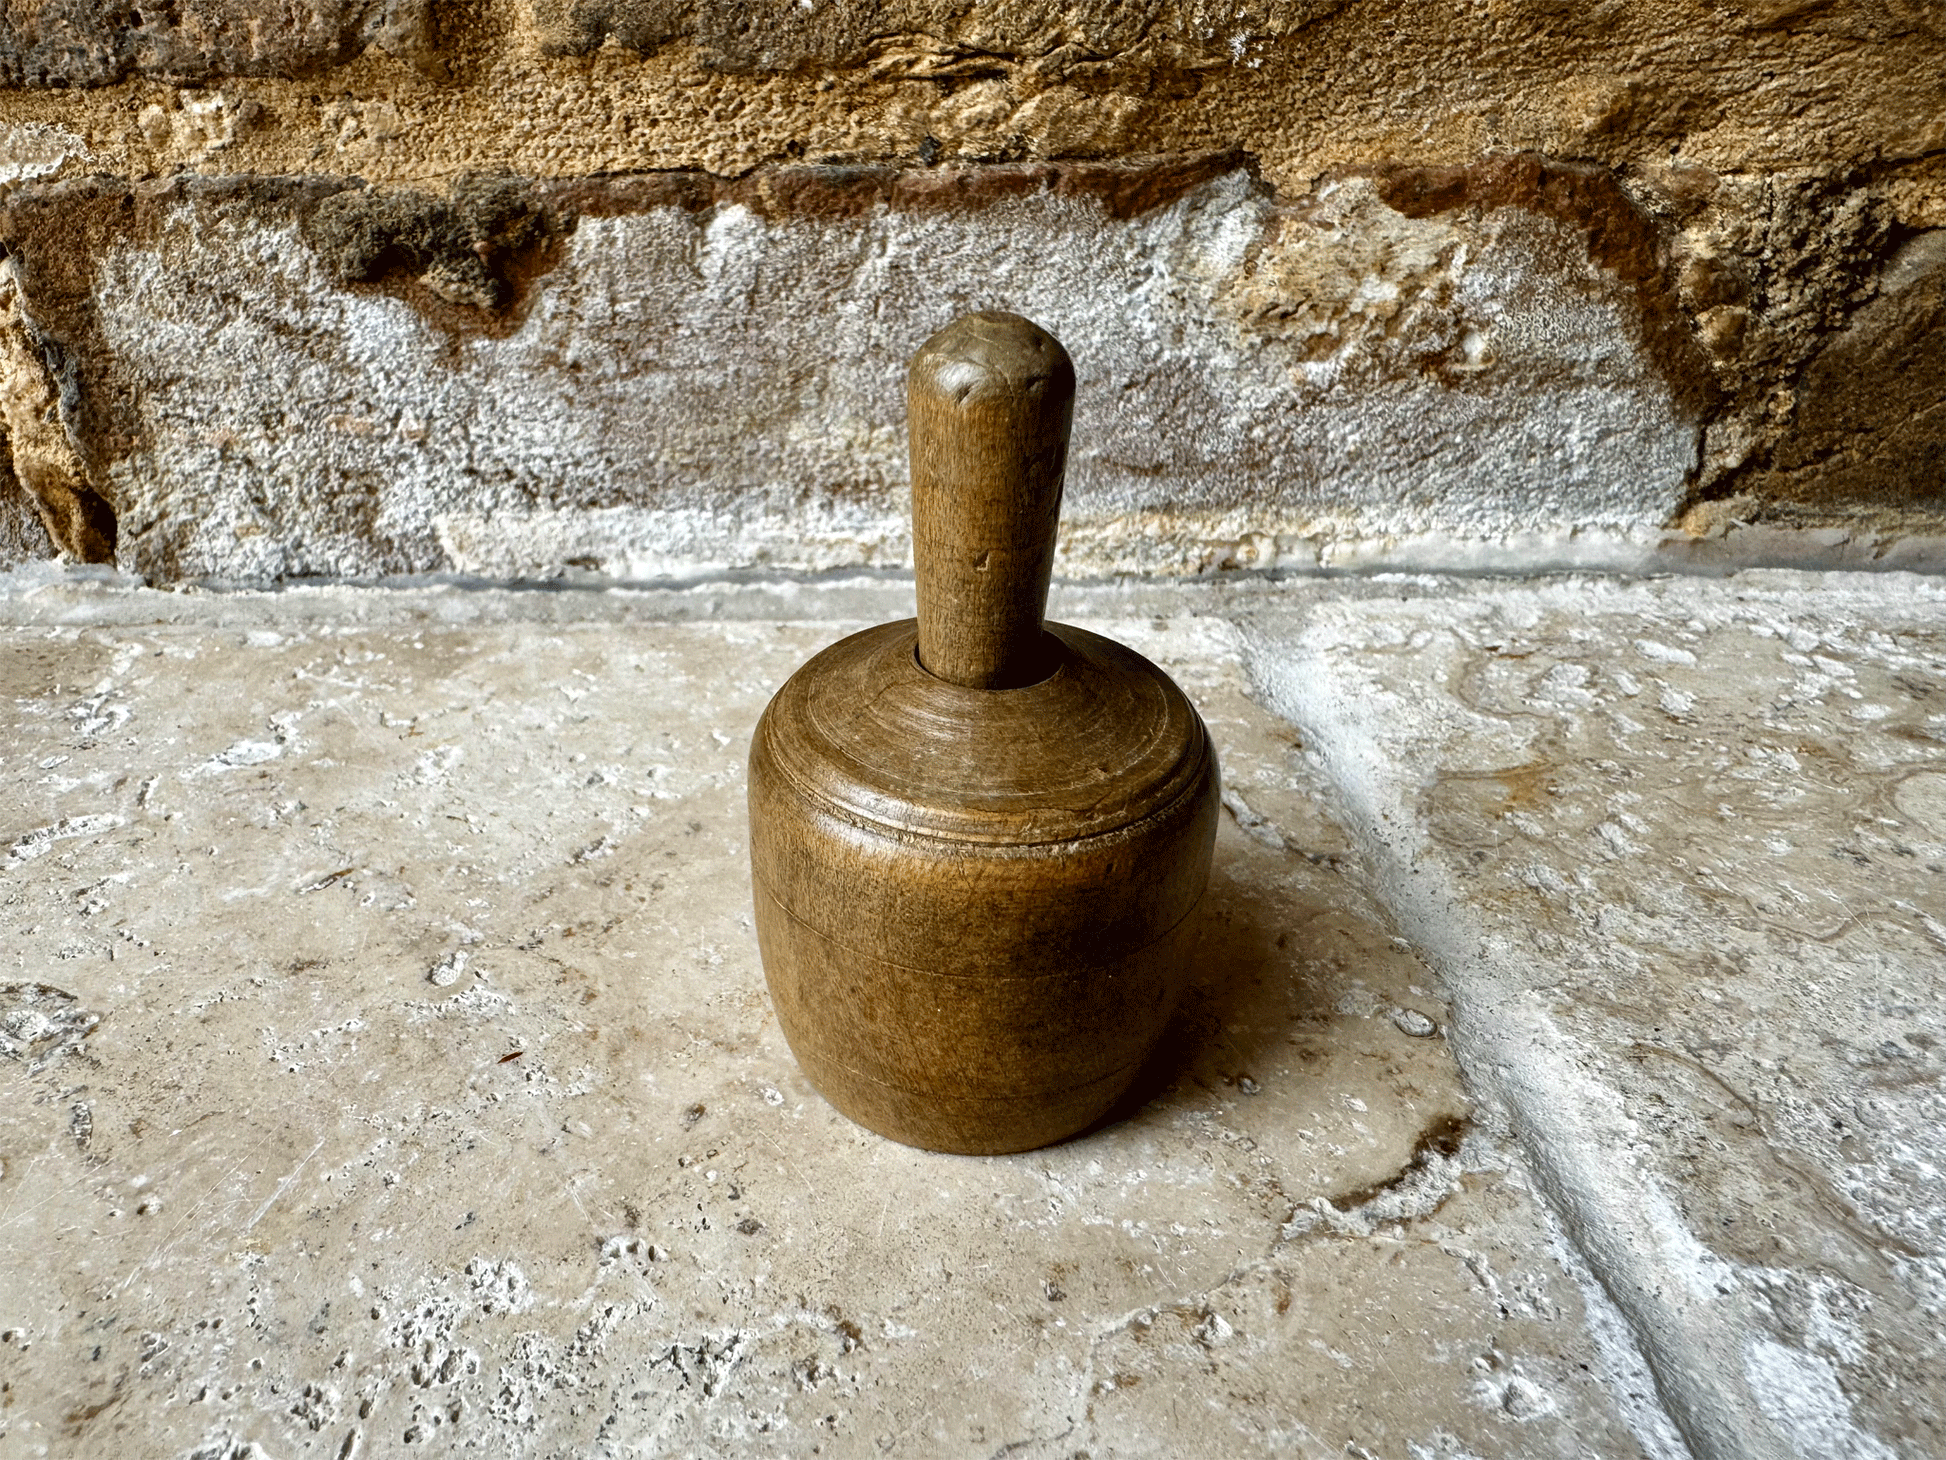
(1679, 850)
(1672, 849)
(381, 971)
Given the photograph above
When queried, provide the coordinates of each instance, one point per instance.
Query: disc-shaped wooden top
(1102, 742)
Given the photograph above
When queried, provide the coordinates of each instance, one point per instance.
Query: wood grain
(989, 401)
(975, 895)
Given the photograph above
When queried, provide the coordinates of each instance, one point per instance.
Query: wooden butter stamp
(977, 838)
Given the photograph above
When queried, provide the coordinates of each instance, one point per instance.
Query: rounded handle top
(989, 402)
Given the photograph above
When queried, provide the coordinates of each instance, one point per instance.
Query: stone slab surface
(1679, 849)
(387, 1070)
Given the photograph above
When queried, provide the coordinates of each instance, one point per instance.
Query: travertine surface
(1679, 850)
(295, 875)
(388, 1070)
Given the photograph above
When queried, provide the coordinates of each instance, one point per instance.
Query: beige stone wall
(1499, 275)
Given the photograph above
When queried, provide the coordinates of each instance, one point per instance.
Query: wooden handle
(989, 400)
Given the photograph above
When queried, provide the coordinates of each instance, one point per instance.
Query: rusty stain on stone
(1868, 427)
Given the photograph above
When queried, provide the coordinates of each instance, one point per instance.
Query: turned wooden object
(977, 839)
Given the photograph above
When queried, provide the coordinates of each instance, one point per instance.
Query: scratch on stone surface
(194, 1207)
(808, 1186)
(1257, 827)
(1014, 1447)
(283, 1186)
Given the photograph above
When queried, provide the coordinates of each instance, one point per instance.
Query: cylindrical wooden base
(960, 1060)
(950, 988)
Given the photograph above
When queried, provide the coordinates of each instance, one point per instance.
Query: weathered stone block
(927, 37)
(40, 389)
(704, 373)
(23, 536)
(1869, 427)
(100, 42)
(466, 249)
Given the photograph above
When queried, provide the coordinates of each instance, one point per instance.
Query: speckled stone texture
(393, 1074)
(701, 381)
(1679, 849)
(69, 43)
(1563, 1075)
